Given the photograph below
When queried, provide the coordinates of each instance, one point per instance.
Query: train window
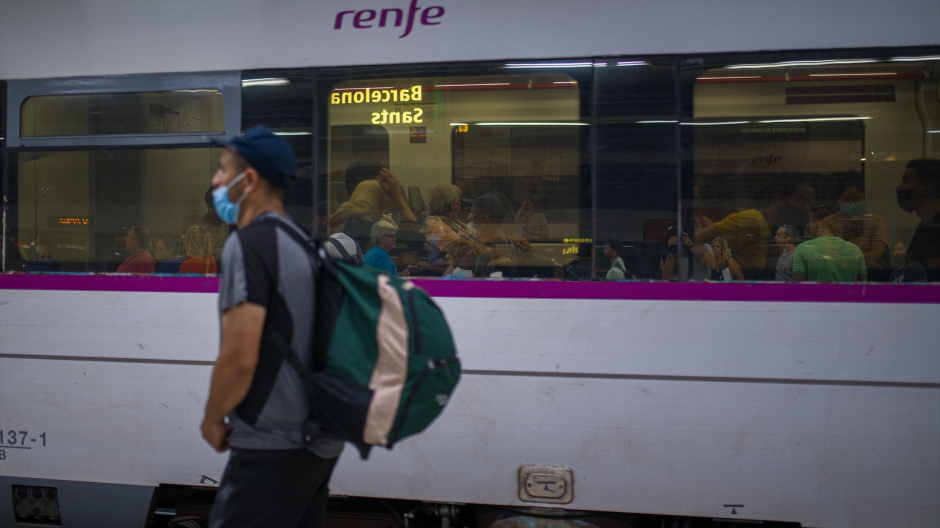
(637, 182)
(477, 174)
(283, 101)
(144, 113)
(798, 171)
(122, 210)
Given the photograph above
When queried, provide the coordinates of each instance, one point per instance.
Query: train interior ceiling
(572, 153)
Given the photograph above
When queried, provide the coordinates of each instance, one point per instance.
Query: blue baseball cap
(267, 152)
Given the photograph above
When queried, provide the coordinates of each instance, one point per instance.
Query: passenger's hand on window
(521, 243)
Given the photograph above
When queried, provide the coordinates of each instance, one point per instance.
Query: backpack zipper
(414, 318)
(432, 366)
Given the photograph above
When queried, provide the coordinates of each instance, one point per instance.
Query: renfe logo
(360, 18)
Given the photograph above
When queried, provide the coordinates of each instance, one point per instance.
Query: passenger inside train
(520, 174)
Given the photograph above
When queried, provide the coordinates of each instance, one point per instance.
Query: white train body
(658, 406)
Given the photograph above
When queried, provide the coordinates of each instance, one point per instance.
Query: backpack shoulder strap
(311, 245)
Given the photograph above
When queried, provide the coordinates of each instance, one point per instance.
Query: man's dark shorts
(272, 488)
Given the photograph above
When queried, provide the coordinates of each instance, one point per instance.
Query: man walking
(276, 476)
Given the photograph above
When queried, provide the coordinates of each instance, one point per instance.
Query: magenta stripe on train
(526, 289)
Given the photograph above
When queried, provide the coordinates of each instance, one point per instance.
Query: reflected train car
(584, 402)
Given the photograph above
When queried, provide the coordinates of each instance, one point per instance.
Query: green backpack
(384, 362)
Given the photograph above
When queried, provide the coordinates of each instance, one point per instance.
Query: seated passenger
(533, 221)
(339, 245)
(719, 260)
(919, 192)
(670, 267)
(445, 232)
(854, 224)
(786, 238)
(372, 188)
(198, 245)
(827, 258)
(618, 270)
(383, 235)
(486, 215)
(138, 244)
(167, 254)
(217, 229)
(748, 232)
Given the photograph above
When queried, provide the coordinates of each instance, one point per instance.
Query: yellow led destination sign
(348, 96)
(73, 221)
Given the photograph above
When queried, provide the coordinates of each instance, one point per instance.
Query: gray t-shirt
(265, 266)
(785, 268)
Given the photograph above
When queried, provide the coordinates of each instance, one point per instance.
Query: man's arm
(707, 234)
(234, 369)
(392, 188)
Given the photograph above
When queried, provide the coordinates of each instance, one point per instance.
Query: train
(584, 401)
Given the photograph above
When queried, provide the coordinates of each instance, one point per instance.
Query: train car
(590, 397)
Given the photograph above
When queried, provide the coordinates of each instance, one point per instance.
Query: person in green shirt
(827, 258)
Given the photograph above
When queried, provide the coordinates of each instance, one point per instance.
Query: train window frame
(18, 91)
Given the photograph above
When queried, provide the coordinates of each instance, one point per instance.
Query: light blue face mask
(227, 211)
(854, 209)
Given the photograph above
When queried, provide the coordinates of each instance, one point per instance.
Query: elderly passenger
(449, 235)
(384, 238)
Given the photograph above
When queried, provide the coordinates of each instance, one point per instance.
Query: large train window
(121, 210)
(819, 170)
(113, 174)
(477, 173)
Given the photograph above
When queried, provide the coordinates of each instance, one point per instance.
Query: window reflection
(122, 211)
(176, 112)
(801, 169)
(478, 174)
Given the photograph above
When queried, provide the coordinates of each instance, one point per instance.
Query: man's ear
(252, 179)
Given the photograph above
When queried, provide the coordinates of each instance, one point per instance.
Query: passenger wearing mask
(786, 240)
(827, 258)
(198, 245)
(167, 253)
(856, 225)
(384, 237)
(138, 244)
(919, 192)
